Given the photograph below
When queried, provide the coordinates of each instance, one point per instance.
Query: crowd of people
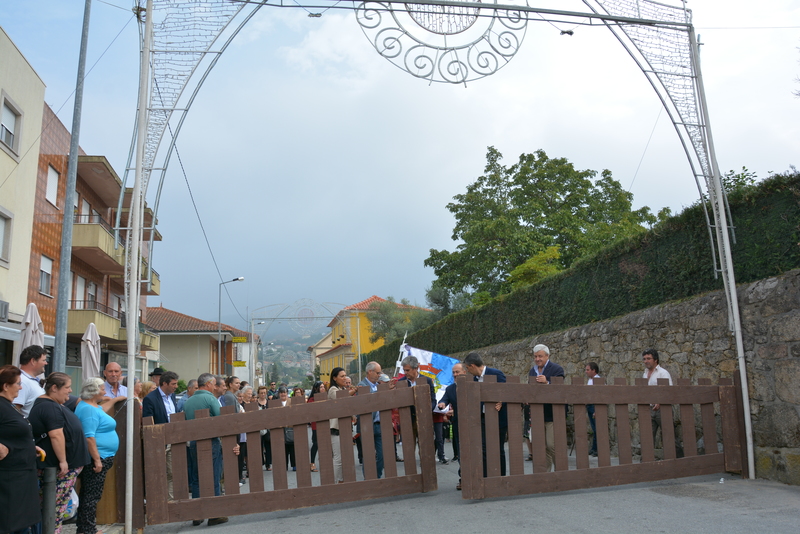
(42, 425)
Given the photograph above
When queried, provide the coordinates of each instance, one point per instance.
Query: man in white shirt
(32, 362)
(652, 372)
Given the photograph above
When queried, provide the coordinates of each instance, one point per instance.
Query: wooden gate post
(469, 435)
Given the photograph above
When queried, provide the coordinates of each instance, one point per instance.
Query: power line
(660, 109)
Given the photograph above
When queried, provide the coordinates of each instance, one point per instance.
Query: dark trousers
(454, 439)
(194, 480)
(242, 458)
(501, 435)
(593, 423)
(92, 485)
(314, 446)
(438, 440)
(378, 440)
(655, 422)
(266, 450)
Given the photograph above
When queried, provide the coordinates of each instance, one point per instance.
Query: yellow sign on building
(239, 364)
(239, 339)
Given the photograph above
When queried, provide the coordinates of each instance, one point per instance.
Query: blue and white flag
(435, 366)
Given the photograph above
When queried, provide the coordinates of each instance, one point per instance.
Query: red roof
(163, 320)
(369, 304)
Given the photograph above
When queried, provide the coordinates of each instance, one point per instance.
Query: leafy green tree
(537, 268)
(443, 301)
(391, 320)
(511, 214)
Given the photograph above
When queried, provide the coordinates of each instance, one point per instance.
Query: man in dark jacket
(451, 398)
(474, 364)
(412, 377)
(160, 404)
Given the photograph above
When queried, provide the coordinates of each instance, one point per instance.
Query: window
(52, 185)
(80, 292)
(45, 275)
(5, 236)
(91, 295)
(10, 126)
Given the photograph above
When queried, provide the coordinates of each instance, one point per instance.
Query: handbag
(288, 435)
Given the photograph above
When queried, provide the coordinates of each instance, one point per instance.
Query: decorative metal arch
(436, 40)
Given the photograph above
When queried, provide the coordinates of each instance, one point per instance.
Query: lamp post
(219, 323)
(253, 344)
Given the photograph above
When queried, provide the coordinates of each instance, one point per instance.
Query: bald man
(113, 376)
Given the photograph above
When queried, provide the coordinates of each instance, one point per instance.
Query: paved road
(690, 505)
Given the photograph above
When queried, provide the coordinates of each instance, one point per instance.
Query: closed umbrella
(90, 352)
(32, 333)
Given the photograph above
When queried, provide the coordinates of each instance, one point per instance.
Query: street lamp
(253, 344)
(219, 323)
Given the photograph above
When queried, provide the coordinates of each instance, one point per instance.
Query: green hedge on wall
(672, 261)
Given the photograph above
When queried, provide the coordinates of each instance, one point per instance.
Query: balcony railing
(96, 306)
(97, 219)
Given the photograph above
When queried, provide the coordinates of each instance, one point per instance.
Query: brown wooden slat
(227, 410)
(581, 437)
(254, 459)
(709, 428)
(516, 461)
(703, 381)
(180, 472)
(427, 449)
(346, 444)
(565, 394)
(603, 441)
(730, 431)
(602, 476)
(667, 432)
(409, 442)
(623, 428)
(147, 421)
(154, 462)
(302, 454)
(512, 379)
(538, 443)
(688, 430)
(325, 460)
(387, 440)
(367, 446)
(230, 465)
(280, 480)
(725, 381)
(492, 426)
(293, 498)
(560, 435)
(469, 435)
(646, 434)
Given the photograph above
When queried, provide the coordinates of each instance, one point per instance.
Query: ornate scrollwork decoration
(449, 44)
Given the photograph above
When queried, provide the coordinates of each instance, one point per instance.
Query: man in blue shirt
(373, 371)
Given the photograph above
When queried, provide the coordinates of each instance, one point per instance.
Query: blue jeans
(216, 455)
(376, 431)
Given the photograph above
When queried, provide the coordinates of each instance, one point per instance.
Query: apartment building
(21, 102)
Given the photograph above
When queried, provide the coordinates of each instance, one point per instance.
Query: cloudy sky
(321, 171)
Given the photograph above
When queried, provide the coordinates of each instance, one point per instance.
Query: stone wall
(693, 341)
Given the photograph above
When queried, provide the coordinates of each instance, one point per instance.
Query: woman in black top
(59, 432)
(19, 487)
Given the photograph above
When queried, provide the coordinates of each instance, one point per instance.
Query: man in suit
(542, 371)
(373, 371)
(411, 378)
(160, 404)
(474, 365)
(450, 397)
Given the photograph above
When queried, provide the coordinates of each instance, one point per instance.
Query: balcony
(93, 242)
(83, 312)
(148, 340)
(155, 281)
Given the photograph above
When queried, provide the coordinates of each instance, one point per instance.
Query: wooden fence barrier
(298, 415)
(631, 469)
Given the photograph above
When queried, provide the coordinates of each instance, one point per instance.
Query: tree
(391, 320)
(511, 214)
(537, 268)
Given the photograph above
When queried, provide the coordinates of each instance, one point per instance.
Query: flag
(435, 366)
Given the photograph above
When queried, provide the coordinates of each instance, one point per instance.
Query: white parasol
(32, 333)
(90, 352)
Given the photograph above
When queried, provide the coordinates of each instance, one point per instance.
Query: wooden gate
(704, 403)
(298, 415)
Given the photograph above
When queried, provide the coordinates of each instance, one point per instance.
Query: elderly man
(32, 362)
(411, 378)
(191, 387)
(542, 371)
(474, 365)
(204, 399)
(113, 375)
(652, 372)
(373, 372)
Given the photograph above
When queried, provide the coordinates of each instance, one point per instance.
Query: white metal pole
(134, 257)
(723, 241)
